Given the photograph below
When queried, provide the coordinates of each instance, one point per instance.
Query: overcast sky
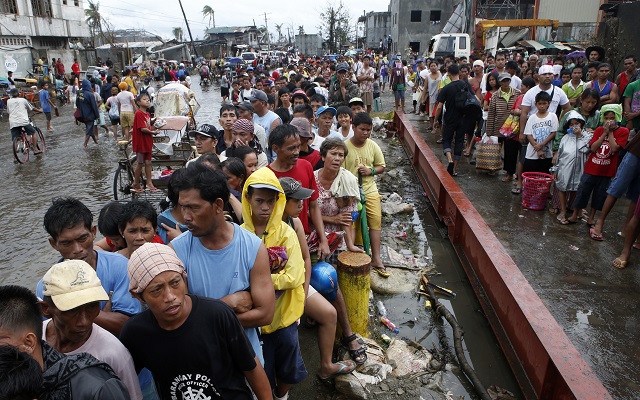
(161, 16)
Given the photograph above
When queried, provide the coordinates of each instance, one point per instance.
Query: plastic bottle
(389, 324)
(381, 308)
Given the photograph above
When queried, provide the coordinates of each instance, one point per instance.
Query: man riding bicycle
(18, 108)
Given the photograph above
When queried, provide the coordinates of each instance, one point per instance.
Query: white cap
(71, 284)
(545, 69)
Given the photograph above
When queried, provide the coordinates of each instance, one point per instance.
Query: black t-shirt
(204, 356)
(447, 96)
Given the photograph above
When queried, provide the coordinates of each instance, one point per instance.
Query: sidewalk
(593, 302)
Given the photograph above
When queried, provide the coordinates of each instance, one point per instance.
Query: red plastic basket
(535, 190)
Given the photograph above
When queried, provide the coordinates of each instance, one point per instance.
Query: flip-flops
(346, 367)
(619, 263)
(450, 168)
(593, 235)
(382, 271)
(516, 190)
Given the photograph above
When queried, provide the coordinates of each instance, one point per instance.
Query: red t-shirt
(75, 68)
(142, 142)
(303, 173)
(602, 162)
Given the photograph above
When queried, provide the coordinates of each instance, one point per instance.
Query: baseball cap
(343, 66)
(149, 261)
(249, 68)
(303, 126)
(503, 76)
(356, 100)
(478, 62)
(545, 69)
(293, 189)
(326, 108)
(245, 105)
(71, 284)
(206, 130)
(258, 95)
(266, 186)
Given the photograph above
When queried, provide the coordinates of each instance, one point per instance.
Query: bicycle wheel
(40, 145)
(122, 182)
(21, 149)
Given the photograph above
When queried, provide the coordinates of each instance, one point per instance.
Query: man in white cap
(72, 295)
(191, 344)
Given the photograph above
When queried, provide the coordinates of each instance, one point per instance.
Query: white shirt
(516, 82)
(124, 99)
(540, 129)
(558, 99)
(18, 108)
(108, 349)
(317, 141)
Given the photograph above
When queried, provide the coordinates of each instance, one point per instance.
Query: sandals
(619, 263)
(382, 271)
(516, 190)
(593, 235)
(346, 367)
(359, 356)
(564, 221)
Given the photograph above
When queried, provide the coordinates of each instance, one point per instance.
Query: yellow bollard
(355, 281)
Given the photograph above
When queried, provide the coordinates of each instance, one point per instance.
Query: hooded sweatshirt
(289, 280)
(86, 102)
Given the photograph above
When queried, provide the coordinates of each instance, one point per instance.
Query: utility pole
(266, 27)
(188, 29)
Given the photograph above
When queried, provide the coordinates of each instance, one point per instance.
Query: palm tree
(207, 11)
(279, 30)
(94, 20)
(177, 33)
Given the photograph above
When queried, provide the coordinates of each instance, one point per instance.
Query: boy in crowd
(345, 115)
(365, 160)
(540, 131)
(46, 104)
(574, 88)
(143, 142)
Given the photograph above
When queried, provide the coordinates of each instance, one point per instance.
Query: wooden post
(355, 282)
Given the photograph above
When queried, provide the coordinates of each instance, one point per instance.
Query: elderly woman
(244, 136)
(338, 193)
(500, 107)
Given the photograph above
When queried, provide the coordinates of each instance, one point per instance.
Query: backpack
(465, 98)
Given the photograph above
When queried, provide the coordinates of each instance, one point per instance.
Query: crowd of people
(254, 225)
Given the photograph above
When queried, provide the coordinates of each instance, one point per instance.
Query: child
(572, 155)
(263, 204)
(112, 108)
(108, 220)
(235, 92)
(540, 130)
(344, 122)
(143, 142)
(364, 158)
(224, 86)
(606, 143)
(47, 103)
(137, 225)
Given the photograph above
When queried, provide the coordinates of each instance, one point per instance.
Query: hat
(545, 69)
(478, 62)
(300, 93)
(249, 68)
(303, 125)
(123, 86)
(266, 186)
(343, 66)
(598, 49)
(149, 261)
(573, 114)
(293, 189)
(71, 284)
(356, 100)
(243, 125)
(503, 76)
(326, 108)
(245, 105)
(614, 108)
(258, 95)
(205, 130)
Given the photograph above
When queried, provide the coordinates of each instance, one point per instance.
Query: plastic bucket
(535, 190)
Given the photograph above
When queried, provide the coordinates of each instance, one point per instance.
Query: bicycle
(26, 142)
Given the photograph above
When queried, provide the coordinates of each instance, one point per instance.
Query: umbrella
(364, 226)
(575, 54)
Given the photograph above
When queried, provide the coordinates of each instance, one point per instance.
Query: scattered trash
(407, 359)
(390, 325)
(382, 310)
(520, 216)
(402, 235)
(392, 204)
(385, 338)
(572, 247)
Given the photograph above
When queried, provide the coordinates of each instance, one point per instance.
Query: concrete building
(234, 35)
(376, 26)
(309, 44)
(414, 22)
(32, 29)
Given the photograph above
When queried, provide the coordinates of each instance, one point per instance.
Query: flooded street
(66, 170)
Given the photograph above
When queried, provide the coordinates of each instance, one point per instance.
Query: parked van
(444, 44)
(250, 58)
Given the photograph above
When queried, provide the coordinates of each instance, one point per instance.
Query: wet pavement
(593, 302)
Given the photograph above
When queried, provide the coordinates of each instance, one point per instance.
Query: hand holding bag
(488, 154)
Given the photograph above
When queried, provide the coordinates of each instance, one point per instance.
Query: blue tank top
(605, 90)
(217, 273)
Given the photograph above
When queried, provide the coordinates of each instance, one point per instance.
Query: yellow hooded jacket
(290, 305)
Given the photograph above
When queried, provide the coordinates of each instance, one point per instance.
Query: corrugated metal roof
(229, 29)
(532, 43)
(561, 46)
(131, 45)
(513, 36)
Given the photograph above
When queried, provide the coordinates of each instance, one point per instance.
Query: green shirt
(632, 91)
(571, 92)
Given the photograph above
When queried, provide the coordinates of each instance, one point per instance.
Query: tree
(300, 30)
(336, 26)
(177, 33)
(279, 30)
(207, 11)
(94, 20)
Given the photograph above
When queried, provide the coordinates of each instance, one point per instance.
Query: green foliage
(335, 26)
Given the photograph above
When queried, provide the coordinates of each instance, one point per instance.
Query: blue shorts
(592, 184)
(627, 178)
(282, 357)
(398, 95)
